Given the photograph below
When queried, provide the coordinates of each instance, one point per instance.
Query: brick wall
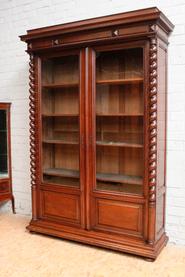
(16, 16)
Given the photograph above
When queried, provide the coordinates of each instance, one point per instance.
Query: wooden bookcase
(5, 155)
(98, 130)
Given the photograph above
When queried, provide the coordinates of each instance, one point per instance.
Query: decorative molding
(153, 121)
(110, 21)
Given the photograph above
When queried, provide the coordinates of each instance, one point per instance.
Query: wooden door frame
(36, 127)
(91, 133)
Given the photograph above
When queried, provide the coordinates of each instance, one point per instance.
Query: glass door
(3, 144)
(119, 121)
(61, 121)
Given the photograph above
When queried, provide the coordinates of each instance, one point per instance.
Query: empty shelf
(59, 141)
(119, 178)
(119, 144)
(118, 114)
(62, 85)
(61, 172)
(119, 81)
(58, 115)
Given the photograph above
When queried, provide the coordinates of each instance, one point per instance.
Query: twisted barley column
(32, 117)
(153, 122)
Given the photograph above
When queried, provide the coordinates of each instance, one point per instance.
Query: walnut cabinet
(98, 130)
(5, 155)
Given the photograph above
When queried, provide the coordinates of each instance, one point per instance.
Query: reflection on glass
(60, 121)
(3, 145)
(119, 121)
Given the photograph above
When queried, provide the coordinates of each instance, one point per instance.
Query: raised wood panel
(160, 214)
(161, 116)
(117, 216)
(61, 206)
(161, 137)
(4, 186)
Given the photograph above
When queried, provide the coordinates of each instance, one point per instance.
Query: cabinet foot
(32, 232)
(13, 205)
(149, 259)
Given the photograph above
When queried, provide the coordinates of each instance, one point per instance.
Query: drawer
(119, 217)
(69, 39)
(88, 36)
(4, 186)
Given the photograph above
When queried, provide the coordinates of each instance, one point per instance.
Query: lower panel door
(62, 139)
(117, 145)
(62, 207)
(118, 216)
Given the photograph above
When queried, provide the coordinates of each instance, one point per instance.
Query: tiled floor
(24, 254)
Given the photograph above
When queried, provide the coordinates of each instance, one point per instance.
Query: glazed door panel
(62, 145)
(4, 144)
(119, 121)
(117, 143)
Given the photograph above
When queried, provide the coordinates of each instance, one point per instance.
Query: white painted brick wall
(16, 16)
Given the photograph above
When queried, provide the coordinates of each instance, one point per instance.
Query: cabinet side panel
(161, 137)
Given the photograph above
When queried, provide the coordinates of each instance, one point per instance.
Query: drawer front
(69, 39)
(4, 187)
(60, 206)
(119, 217)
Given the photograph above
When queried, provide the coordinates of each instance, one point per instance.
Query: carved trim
(32, 118)
(153, 122)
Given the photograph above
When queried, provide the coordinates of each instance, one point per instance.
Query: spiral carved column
(152, 138)
(32, 118)
(153, 122)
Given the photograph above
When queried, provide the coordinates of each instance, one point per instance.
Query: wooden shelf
(61, 172)
(109, 177)
(99, 143)
(119, 81)
(120, 114)
(99, 82)
(59, 141)
(64, 85)
(118, 144)
(119, 178)
(58, 115)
